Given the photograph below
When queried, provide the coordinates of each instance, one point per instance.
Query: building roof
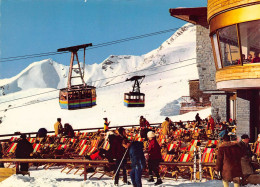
(196, 15)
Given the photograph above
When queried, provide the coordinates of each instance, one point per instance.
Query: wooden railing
(92, 162)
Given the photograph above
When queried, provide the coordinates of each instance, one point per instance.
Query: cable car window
(63, 95)
(250, 41)
(229, 46)
(70, 96)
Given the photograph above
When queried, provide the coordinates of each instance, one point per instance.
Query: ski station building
(227, 47)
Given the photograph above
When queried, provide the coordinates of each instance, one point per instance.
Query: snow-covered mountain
(167, 69)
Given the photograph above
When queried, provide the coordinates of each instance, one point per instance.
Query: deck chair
(162, 141)
(208, 156)
(31, 140)
(11, 150)
(185, 171)
(212, 142)
(139, 139)
(166, 169)
(81, 155)
(172, 146)
(12, 139)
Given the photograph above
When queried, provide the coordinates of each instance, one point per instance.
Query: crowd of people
(233, 163)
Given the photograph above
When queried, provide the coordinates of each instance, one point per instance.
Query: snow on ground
(54, 178)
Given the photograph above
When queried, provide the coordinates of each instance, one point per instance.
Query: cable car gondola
(135, 98)
(76, 96)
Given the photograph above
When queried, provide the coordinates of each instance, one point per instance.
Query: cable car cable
(96, 88)
(104, 79)
(22, 57)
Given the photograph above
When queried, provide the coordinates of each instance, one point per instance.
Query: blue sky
(39, 26)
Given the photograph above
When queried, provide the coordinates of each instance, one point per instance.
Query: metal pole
(200, 165)
(194, 164)
(120, 164)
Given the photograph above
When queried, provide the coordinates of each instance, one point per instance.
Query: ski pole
(120, 164)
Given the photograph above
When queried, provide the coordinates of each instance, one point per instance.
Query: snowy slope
(167, 69)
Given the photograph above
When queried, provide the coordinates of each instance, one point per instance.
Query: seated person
(256, 58)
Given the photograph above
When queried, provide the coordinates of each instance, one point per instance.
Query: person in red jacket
(211, 124)
(154, 158)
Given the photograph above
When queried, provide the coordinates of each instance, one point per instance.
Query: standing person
(229, 162)
(166, 127)
(58, 127)
(142, 122)
(211, 124)
(119, 154)
(154, 158)
(23, 150)
(246, 159)
(106, 124)
(197, 118)
(137, 162)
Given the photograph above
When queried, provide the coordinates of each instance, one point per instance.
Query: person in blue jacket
(138, 162)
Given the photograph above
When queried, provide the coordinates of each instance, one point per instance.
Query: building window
(250, 41)
(216, 47)
(229, 46)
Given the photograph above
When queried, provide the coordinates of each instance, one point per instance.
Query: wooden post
(85, 172)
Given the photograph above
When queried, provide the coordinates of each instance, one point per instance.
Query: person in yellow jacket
(58, 127)
(166, 127)
(106, 124)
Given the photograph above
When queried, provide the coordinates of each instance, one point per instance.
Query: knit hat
(150, 134)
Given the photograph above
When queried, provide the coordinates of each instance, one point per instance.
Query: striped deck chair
(83, 135)
(172, 146)
(162, 141)
(11, 148)
(140, 139)
(208, 156)
(31, 140)
(83, 149)
(82, 142)
(36, 147)
(106, 145)
(161, 137)
(12, 139)
(130, 138)
(77, 134)
(81, 155)
(62, 146)
(166, 169)
(185, 170)
(63, 140)
(185, 157)
(212, 142)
